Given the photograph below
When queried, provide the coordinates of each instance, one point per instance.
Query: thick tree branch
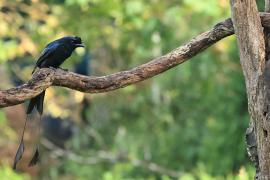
(46, 77)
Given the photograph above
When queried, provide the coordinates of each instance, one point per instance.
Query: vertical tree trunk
(251, 44)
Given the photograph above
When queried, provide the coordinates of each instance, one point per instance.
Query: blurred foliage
(7, 173)
(191, 119)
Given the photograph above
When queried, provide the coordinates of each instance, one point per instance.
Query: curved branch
(47, 77)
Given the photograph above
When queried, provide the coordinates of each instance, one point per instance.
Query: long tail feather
(38, 103)
(34, 159)
(31, 105)
(20, 150)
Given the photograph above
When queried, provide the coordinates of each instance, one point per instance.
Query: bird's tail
(38, 103)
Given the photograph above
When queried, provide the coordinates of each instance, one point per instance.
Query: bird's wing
(48, 51)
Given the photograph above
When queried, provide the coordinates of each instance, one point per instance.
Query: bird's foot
(53, 68)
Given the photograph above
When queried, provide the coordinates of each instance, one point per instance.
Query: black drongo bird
(54, 54)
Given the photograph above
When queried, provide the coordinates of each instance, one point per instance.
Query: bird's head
(72, 41)
(76, 41)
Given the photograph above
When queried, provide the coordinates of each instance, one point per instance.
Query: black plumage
(54, 54)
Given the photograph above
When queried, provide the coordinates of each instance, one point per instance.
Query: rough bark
(251, 44)
(45, 78)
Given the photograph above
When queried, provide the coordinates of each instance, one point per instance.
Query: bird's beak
(80, 45)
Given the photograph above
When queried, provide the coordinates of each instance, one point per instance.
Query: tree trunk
(251, 44)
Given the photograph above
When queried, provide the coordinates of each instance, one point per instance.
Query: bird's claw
(51, 68)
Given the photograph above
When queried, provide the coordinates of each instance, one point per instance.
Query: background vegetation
(187, 123)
